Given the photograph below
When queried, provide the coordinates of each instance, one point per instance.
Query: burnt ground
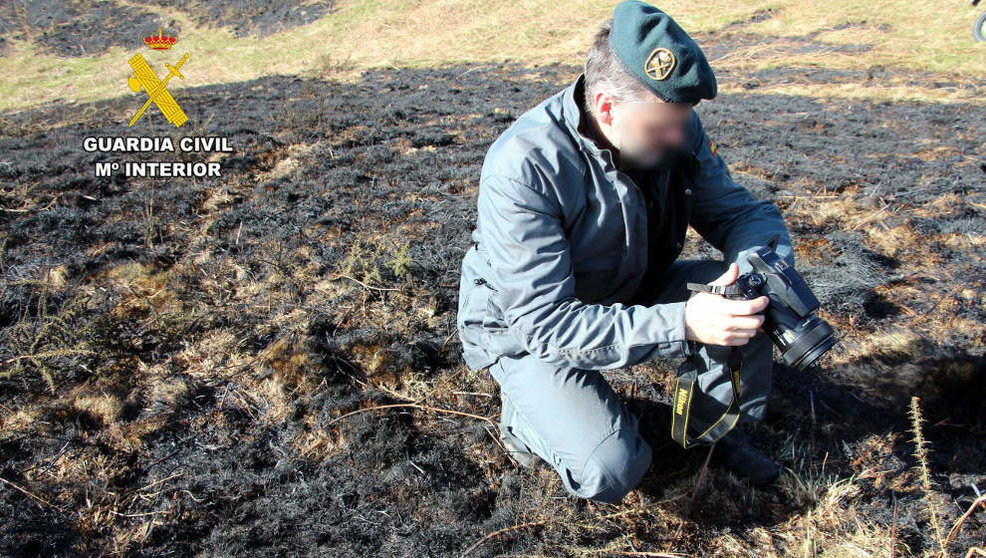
(82, 28)
(180, 357)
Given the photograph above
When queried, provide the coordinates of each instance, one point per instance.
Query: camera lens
(812, 339)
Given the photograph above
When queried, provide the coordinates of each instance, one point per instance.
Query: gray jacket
(560, 245)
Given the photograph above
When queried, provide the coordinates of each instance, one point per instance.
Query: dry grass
(932, 497)
(42, 336)
(386, 34)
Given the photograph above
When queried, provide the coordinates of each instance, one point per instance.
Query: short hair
(605, 72)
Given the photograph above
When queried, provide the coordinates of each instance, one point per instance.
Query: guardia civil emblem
(157, 94)
(659, 64)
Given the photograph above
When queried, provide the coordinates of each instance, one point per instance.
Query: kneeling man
(583, 206)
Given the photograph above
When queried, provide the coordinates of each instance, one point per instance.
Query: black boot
(735, 451)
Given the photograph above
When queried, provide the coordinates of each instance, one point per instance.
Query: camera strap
(724, 290)
(685, 387)
(687, 383)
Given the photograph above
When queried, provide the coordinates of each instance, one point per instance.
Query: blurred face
(642, 130)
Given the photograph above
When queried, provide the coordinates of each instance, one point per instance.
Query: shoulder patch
(712, 146)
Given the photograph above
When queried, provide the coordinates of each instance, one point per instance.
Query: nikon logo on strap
(680, 398)
(686, 387)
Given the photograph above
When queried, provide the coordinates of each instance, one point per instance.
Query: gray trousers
(574, 420)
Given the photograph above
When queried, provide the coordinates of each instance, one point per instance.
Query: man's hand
(716, 320)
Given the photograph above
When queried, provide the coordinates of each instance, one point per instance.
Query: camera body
(789, 319)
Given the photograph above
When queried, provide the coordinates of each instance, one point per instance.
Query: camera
(789, 319)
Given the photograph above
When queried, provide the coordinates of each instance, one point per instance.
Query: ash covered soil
(265, 363)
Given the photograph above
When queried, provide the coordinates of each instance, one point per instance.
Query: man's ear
(604, 108)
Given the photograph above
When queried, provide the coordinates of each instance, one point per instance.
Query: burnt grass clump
(265, 363)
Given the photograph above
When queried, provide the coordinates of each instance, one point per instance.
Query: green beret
(657, 50)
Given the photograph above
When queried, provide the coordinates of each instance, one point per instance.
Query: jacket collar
(575, 119)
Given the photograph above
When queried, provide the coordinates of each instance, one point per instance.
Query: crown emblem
(159, 41)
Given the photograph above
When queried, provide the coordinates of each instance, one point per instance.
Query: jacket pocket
(497, 336)
(493, 320)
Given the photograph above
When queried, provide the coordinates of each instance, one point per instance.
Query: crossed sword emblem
(144, 77)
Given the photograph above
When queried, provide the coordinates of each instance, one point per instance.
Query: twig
(364, 285)
(701, 479)
(192, 496)
(145, 487)
(955, 528)
(698, 486)
(29, 209)
(38, 498)
(51, 461)
(893, 529)
(502, 531)
(809, 543)
(870, 217)
(147, 531)
(415, 405)
(114, 512)
(921, 453)
(49, 354)
(928, 312)
(411, 461)
(447, 339)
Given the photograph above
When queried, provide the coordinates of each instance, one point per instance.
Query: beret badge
(659, 64)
